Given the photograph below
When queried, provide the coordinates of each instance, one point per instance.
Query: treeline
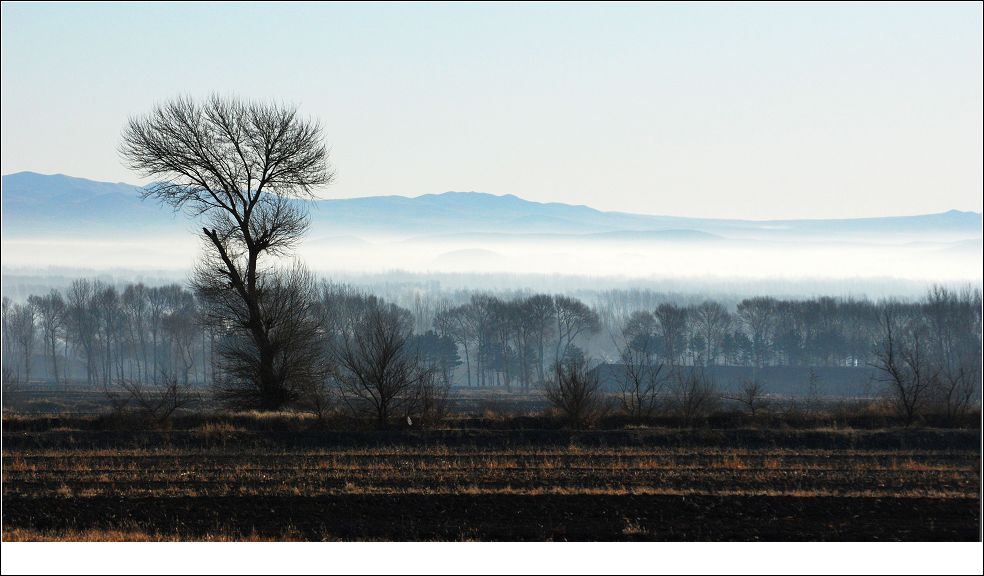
(340, 346)
(103, 333)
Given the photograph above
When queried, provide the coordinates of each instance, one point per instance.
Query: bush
(694, 394)
(576, 392)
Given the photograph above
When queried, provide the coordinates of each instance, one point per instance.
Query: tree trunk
(54, 358)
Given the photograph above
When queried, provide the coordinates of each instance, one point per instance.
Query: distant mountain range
(65, 207)
(63, 221)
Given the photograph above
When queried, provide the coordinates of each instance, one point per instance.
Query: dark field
(277, 478)
(491, 516)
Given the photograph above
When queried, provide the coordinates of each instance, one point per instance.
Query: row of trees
(766, 331)
(507, 342)
(148, 346)
(102, 334)
(338, 346)
(928, 353)
(105, 333)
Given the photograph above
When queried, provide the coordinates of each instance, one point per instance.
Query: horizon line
(557, 203)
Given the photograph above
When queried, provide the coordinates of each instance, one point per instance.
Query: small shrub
(575, 393)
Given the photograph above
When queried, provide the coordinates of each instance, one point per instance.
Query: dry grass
(137, 535)
(440, 470)
(633, 528)
(250, 483)
(218, 430)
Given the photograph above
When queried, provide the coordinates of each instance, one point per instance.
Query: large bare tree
(243, 167)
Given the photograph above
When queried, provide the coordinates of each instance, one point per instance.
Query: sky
(754, 111)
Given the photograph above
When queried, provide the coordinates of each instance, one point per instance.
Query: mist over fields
(56, 224)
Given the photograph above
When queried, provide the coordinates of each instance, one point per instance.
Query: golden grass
(441, 470)
(136, 535)
(218, 429)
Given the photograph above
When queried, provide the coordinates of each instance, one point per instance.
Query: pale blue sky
(756, 111)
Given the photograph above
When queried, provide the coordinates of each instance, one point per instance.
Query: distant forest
(103, 334)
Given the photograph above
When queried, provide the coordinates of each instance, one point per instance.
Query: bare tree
(134, 304)
(298, 356)
(694, 394)
(158, 304)
(51, 315)
(106, 308)
(576, 392)
(538, 314)
(241, 166)
(22, 330)
(672, 325)
(759, 317)
(574, 318)
(375, 367)
(957, 386)
(640, 387)
(446, 323)
(751, 396)
(905, 362)
(643, 378)
(180, 327)
(954, 323)
(431, 400)
(154, 402)
(82, 324)
(318, 398)
(711, 321)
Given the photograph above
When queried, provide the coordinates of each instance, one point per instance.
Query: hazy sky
(755, 111)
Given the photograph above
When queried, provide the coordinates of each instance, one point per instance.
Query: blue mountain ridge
(37, 204)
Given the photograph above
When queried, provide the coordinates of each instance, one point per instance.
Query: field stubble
(420, 491)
